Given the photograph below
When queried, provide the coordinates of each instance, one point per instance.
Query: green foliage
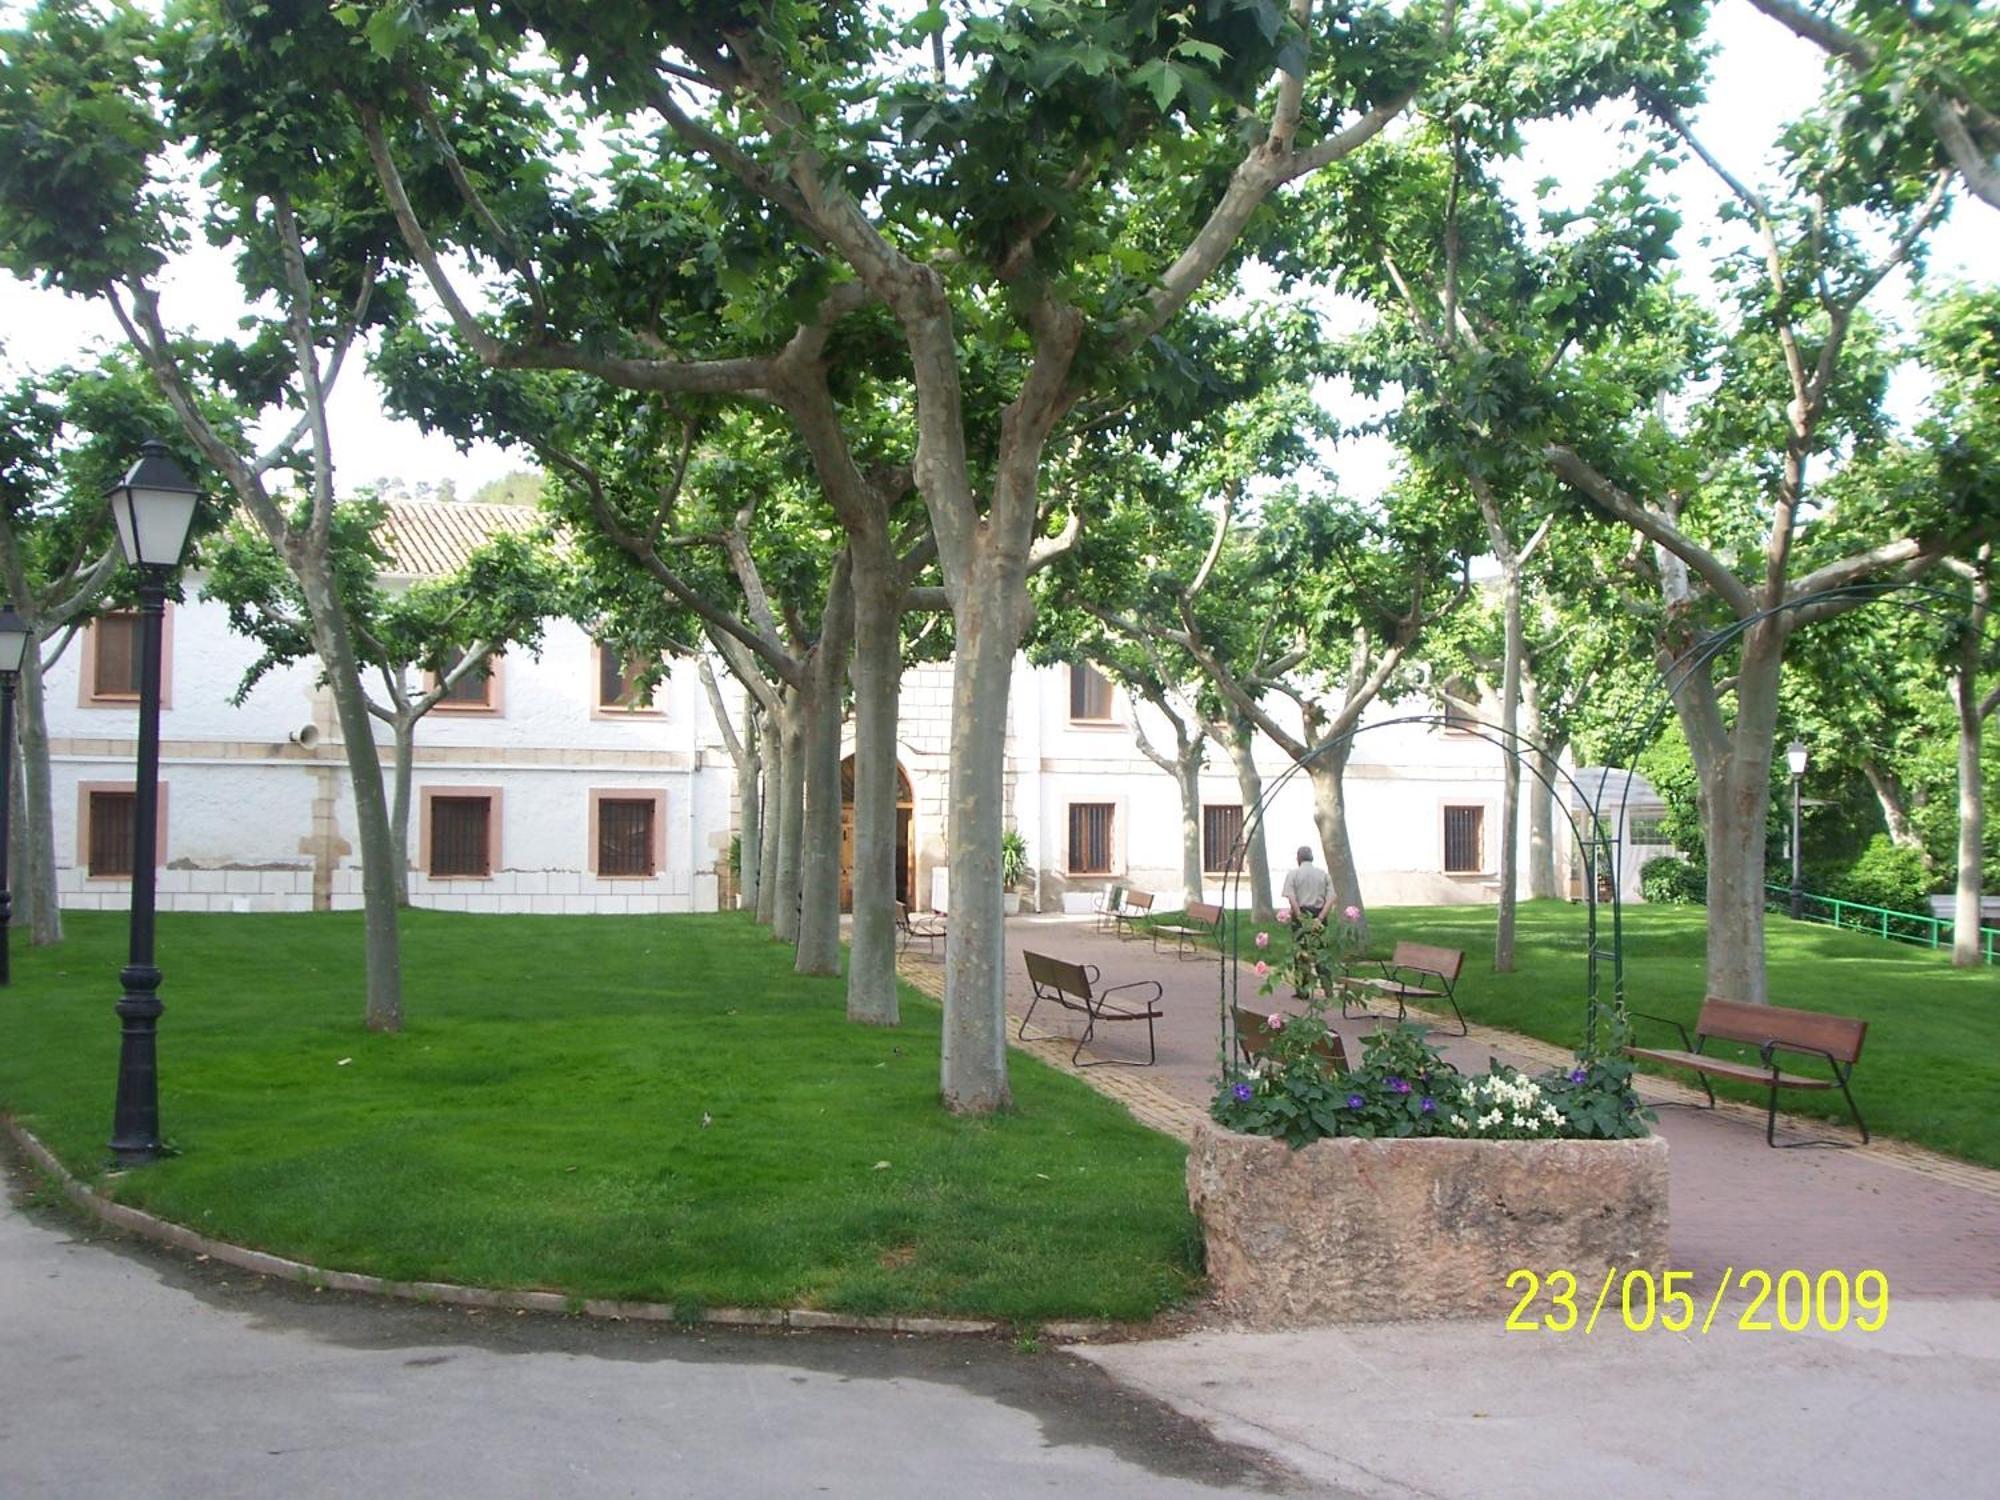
(78, 204)
(1596, 1097)
(1013, 858)
(1670, 880)
(500, 597)
(1887, 874)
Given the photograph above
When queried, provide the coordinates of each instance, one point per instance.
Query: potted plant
(1014, 871)
(1403, 1188)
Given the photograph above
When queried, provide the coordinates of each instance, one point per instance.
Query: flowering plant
(1321, 946)
(1504, 1106)
(1595, 1097)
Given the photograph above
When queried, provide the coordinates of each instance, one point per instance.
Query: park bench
(1135, 908)
(919, 929)
(1414, 971)
(1254, 1036)
(1077, 987)
(1109, 904)
(1770, 1029)
(1201, 921)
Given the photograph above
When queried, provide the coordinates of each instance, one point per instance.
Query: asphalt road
(128, 1372)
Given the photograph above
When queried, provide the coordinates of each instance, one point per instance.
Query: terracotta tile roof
(428, 538)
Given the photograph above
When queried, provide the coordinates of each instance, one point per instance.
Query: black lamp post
(13, 648)
(153, 506)
(1795, 757)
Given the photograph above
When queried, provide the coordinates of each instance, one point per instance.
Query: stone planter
(1354, 1231)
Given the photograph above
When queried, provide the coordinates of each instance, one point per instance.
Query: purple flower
(1399, 1085)
(1355, 1101)
(1241, 1093)
(1578, 1075)
(1429, 1105)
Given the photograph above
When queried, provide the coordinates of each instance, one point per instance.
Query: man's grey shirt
(1307, 885)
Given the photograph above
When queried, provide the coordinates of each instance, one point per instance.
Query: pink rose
(1263, 940)
(1276, 1020)
(1353, 914)
(1262, 968)
(1284, 914)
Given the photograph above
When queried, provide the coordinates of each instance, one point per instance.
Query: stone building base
(1357, 1231)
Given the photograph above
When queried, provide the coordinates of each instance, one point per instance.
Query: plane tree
(419, 640)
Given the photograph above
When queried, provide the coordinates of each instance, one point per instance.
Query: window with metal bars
(1464, 840)
(1089, 692)
(625, 836)
(115, 657)
(461, 836)
(1090, 838)
(618, 680)
(1221, 834)
(113, 826)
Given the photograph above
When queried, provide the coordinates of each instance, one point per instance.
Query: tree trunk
(364, 765)
(877, 674)
(1965, 936)
(1546, 765)
(1241, 743)
(37, 904)
(1895, 815)
(750, 828)
(973, 1072)
(405, 731)
(771, 804)
(1542, 882)
(819, 916)
(791, 820)
(1735, 776)
(1187, 775)
(1330, 818)
(1510, 774)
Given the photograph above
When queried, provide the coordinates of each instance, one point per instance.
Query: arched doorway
(906, 846)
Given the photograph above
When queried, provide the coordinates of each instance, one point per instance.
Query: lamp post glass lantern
(153, 507)
(1795, 757)
(14, 639)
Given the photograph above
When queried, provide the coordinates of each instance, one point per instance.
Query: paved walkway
(1930, 1223)
(1468, 1409)
(131, 1373)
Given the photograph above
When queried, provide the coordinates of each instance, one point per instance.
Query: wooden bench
(1199, 921)
(1137, 907)
(1254, 1036)
(1414, 971)
(919, 929)
(1076, 987)
(1770, 1029)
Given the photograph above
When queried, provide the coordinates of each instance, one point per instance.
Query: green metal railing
(1896, 926)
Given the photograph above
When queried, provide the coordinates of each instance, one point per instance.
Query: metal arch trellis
(1605, 850)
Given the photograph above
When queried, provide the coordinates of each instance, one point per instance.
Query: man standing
(1306, 891)
(1306, 886)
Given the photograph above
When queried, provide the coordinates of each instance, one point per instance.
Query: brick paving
(1930, 1222)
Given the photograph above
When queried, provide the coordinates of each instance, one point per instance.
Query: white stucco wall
(249, 811)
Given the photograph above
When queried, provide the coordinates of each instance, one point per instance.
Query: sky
(1762, 76)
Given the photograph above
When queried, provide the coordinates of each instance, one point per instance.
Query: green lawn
(541, 1122)
(1929, 1072)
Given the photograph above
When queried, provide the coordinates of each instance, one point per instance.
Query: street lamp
(1795, 757)
(14, 636)
(153, 507)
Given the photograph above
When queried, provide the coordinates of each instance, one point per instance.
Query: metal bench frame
(1188, 935)
(1075, 987)
(1399, 978)
(1774, 1018)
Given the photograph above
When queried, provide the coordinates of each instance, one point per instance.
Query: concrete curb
(164, 1231)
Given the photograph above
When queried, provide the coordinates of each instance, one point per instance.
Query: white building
(543, 790)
